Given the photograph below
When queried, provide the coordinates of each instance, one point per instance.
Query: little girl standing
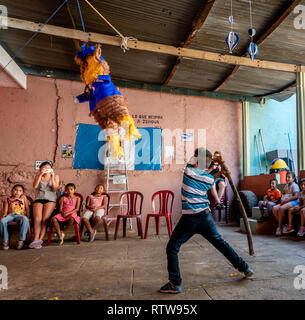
(16, 208)
(69, 205)
(96, 204)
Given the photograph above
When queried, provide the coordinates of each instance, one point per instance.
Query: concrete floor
(131, 268)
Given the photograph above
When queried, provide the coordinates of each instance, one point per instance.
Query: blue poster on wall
(90, 147)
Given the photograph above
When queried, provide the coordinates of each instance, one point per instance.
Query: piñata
(107, 105)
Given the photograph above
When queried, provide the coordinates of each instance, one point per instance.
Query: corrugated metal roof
(168, 22)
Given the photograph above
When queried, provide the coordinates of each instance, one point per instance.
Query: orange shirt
(273, 195)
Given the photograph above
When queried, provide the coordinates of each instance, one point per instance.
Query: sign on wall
(90, 146)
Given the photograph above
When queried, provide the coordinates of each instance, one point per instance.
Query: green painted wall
(276, 119)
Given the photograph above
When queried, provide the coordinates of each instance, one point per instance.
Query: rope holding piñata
(107, 105)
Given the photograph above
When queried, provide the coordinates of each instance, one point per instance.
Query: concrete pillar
(300, 102)
(245, 139)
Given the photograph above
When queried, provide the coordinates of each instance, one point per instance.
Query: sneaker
(288, 230)
(285, 227)
(301, 232)
(170, 288)
(249, 273)
(87, 234)
(5, 246)
(278, 232)
(92, 235)
(61, 240)
(20, 244)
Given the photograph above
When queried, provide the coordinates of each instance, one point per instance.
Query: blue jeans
(201, 223)
(24, 226)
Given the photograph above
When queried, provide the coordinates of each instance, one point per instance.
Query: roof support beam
(275, 24)
(155, 47)
(12, 70)
(197, 25)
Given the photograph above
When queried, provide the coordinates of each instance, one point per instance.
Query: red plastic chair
(131, 212)
(166, 199)
(76, 225)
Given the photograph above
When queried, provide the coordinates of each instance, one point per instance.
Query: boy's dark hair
(302, 180)
(70, 185)
(202, 151)
(293, 175)
(46, 163)
(18, 185)
(273, 180)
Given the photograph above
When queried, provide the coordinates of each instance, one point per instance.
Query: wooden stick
(227, 173)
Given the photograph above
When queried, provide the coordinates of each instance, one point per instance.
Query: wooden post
(227, 173)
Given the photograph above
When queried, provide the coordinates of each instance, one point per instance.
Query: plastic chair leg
(140, 229)
(124, 226)
(116, 228)
(106, 229)
(28, 235)
(146, 226)
(157, 225)
(76, 229)
(50, 234)
(169, 228)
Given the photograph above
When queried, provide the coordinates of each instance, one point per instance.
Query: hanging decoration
(252, 48)
(232, 37)
(107, 105)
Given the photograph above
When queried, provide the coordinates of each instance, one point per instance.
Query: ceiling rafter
(155, 47)
(197, 25)
(274, 25)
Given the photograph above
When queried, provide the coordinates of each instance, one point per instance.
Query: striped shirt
(196, 183)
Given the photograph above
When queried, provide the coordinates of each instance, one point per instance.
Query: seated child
(69, 205)
(95, 205)
(220, 179)
(289, 199)
(16, 208)
(299, 209)
(273, 197)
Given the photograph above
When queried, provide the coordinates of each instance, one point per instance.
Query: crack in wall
(58, 98)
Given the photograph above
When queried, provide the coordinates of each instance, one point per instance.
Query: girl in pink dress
(69, 205)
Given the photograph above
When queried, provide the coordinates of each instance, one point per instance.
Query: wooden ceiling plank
(154, 47)
(197, 25)
(263, 37)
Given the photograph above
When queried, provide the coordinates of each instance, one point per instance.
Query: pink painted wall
(34, 123)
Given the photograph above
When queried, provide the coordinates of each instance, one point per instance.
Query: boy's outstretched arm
(214, 193)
